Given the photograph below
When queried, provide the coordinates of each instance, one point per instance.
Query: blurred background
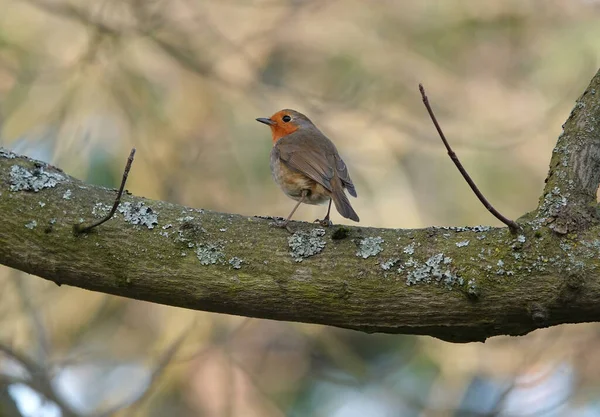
(81, 82)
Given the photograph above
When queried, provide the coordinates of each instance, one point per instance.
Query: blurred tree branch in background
(457, 284)
(37, 378)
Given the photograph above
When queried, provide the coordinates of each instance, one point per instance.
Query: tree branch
(459, 284)
(569, 199)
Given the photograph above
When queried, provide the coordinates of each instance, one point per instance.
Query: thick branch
(458, 284)
(569, 199)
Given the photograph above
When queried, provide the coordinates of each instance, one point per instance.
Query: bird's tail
(342, 204)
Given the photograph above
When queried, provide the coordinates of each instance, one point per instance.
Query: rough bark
(459, 284)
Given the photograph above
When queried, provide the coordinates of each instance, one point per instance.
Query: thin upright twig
(85, 229)
(512, 225)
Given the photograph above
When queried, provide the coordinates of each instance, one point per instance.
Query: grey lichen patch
(67, 195)
(5, 153)
(409, 249)
(472, 289)
(100, 209)
(236, 263)
(305, 244)
(389, 264)
(502, 269)
(31, 225)
(553, 202)
(572, 262)
(185, 219)
(476, 229)
(369, 246)
(22, 179)
(436, 269)
(139, 213)
(518, 243)
(210, 253)
(593, 246)
(563, 150)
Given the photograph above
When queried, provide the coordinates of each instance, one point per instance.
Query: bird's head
(286, 122)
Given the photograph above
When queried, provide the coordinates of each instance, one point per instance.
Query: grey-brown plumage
(307, 165)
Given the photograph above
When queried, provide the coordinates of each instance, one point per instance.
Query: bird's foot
(282, 225)
(325, 222)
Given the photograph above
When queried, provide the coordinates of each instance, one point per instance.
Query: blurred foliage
(81, 82)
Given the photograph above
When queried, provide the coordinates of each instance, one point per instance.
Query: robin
(307, 166)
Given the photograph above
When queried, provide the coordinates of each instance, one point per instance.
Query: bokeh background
(81, 82)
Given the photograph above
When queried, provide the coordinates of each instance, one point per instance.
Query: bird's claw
(324, 223)
(282, 225)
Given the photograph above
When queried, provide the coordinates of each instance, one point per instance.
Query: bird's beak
(266, 121)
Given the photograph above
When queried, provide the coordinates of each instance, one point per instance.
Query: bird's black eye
(286, 118)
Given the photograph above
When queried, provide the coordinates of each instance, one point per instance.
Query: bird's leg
(325, 222)
(284, 224)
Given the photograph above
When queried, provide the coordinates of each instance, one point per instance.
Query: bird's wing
(342, 172)
(301, 154)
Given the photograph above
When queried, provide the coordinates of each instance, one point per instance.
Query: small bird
(306, 165)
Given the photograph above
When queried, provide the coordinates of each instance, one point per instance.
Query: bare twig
(512, 225)
(84, 229)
